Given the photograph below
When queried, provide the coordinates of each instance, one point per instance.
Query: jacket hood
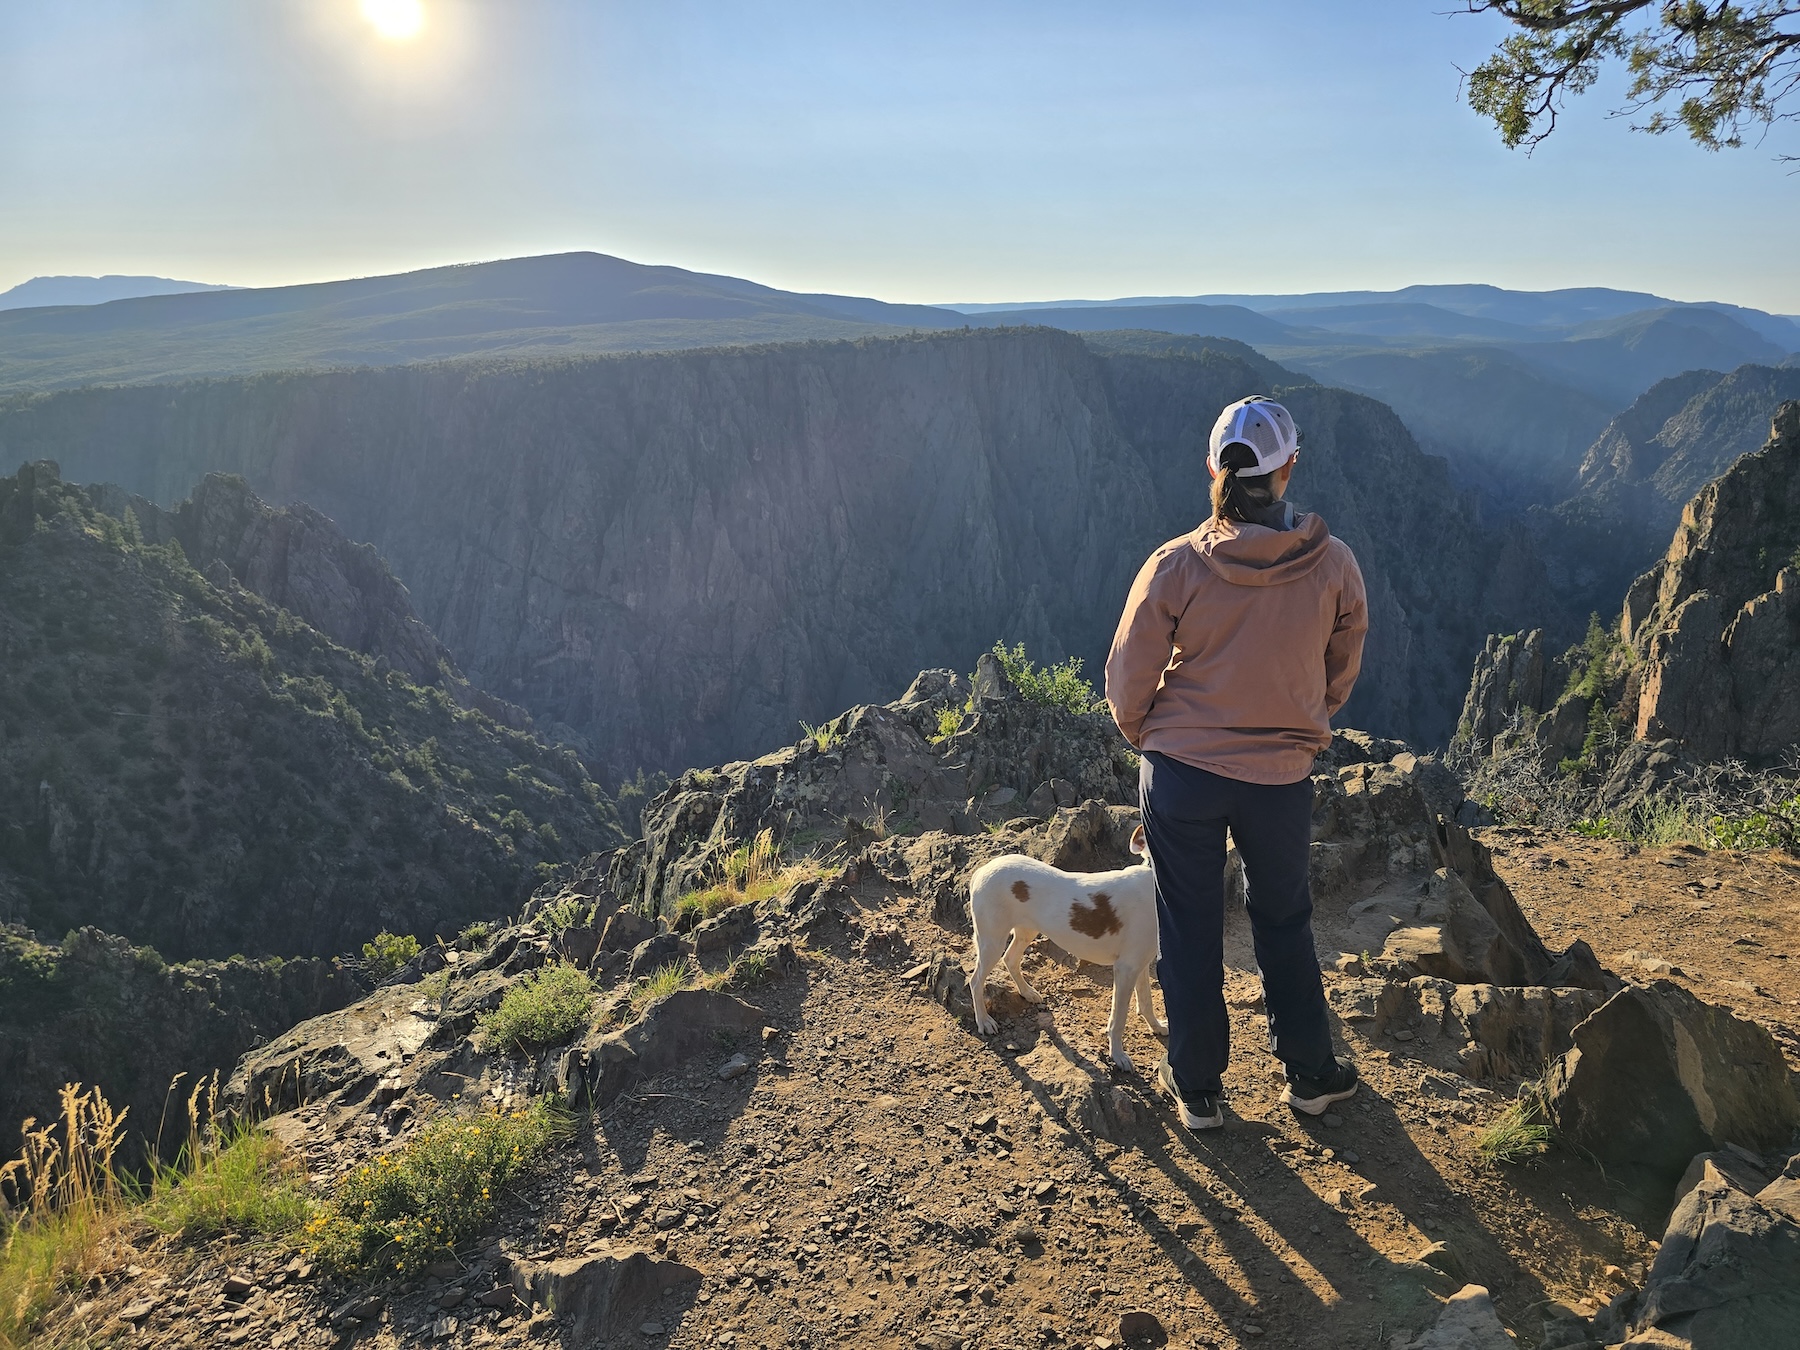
(1255, 555)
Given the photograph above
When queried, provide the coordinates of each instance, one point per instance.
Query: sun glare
(395, 20)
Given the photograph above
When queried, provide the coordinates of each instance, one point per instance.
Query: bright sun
(395, 20)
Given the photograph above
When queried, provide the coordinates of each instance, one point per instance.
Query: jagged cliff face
(193, 767)
(1716, 624)
(297, 559)
(672, 558)
(1703, 662)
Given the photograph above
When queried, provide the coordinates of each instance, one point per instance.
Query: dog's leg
(1015, 952)
(1146, 1005)
(1125, 979)
(987, 952)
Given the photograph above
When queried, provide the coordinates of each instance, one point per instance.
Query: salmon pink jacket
(1237, 644)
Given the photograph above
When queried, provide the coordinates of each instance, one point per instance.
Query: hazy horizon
(1017, 154)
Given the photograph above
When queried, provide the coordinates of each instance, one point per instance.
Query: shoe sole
(1315, 1106)
(1216, 1121)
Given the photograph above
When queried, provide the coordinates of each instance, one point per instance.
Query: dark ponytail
(1236, 496)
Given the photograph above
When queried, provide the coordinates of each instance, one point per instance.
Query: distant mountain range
(1486, 311)
(1512, 387)
(559, 304)
(41, 291)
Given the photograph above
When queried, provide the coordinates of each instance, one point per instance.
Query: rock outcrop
(1656, 1076)
(200, 770)
(944, 757)
(1728, 1272)
(1716, 624)
(677, 556)
(1680, 434)
(1700, 669)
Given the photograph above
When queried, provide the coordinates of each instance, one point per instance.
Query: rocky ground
(1721, 923)
(883, 1176)
(832, 1157)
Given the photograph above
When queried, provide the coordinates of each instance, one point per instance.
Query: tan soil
(852, 1190)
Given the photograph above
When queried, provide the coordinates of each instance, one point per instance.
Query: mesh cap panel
(1263, 425)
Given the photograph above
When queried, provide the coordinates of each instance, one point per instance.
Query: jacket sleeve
(1343, 653)
(1142, 645)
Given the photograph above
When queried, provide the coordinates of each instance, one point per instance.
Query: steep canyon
(670, 558)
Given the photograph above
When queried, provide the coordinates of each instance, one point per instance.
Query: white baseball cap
(1264, 426)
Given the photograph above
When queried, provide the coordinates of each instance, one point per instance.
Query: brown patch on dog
(1095, 921)
(1021, 892)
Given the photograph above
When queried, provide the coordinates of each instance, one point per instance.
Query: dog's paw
(1122, 1061)
(1157, 1026)
(1032, 995)
(987, 1026)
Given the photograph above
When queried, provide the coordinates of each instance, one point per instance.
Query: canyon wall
(671, 558)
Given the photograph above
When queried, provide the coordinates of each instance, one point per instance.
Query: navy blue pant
(1186, 813)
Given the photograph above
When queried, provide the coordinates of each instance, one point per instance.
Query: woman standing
(1238, 643)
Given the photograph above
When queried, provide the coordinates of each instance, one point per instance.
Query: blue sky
(936, 152)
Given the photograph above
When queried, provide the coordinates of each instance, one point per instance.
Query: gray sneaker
(1205, 1112)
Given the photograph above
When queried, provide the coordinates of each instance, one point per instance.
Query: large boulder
(1727, 1275)
(1464, 925)
(1481, 1030)
(672, 1029)
(1656, 1076)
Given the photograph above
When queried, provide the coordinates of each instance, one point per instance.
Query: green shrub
(746, 971)
(752, 872)
(1521, 1131)
(1060, 686)
(544, 1008)
(949, 722)
(476, 936)
(665, 981)
(569, 912)
(419, 1203)
(823, 737)
(388, 952)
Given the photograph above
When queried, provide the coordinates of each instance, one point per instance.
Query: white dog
(1108, 918)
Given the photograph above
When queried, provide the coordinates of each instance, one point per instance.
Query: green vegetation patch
(246, 1183)
(388, 952)
(434, 1194)
(749, 873)
(1520, 1132)
(545, 1008)
(665, 981)
(1061, 685)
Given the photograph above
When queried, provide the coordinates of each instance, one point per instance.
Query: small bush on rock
(746, 971)
(405, 1209)
(824, 737)
(1060, 685)
(752, 871)
(541, 1009)
(665, 981)
(388, 952)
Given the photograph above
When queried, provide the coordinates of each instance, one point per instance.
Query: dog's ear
(1138, 846)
